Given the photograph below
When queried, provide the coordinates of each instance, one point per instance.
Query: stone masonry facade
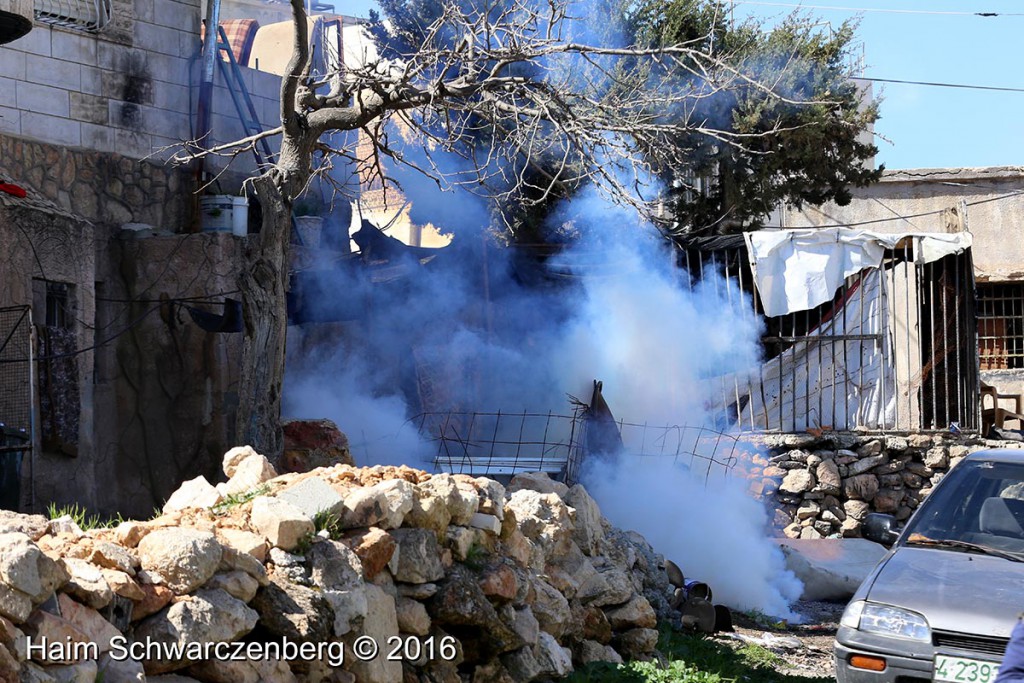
(824, 486)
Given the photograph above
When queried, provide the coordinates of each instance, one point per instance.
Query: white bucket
(240, 216)
(216, 212)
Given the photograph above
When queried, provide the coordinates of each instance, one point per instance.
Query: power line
(880, 10)
(965, 86)
(900, 217)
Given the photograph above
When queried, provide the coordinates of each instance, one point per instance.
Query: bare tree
(503, 87)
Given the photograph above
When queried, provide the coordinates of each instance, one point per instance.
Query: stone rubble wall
(502, 584)
(824, 486)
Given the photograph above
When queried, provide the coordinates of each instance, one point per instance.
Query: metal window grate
(1001, 325)
(81, 15)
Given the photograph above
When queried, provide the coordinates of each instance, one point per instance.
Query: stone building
(128, 394)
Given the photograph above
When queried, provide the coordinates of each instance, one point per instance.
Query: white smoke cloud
(633, 320)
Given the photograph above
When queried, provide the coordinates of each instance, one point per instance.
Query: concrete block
(10, 120)
(93, 81)
(97, 137)
(830, 568)
(36, 41)
(42, 99)
(12, 64)
(90, 108)
(176, 15)
(170, 124)
(74, 47)
(55, 72)
(53, 129)
(168, 68)
(111, 56)
(158, 38)
(172, 98)
(7, 88)
(132, 144)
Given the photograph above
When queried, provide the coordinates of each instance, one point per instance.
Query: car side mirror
(881, 529)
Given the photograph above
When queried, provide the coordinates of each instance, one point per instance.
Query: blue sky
(926, 126)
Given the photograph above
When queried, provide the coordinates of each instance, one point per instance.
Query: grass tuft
(695, 659)
(82, 517)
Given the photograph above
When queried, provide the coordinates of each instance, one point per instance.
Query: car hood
(955, 591)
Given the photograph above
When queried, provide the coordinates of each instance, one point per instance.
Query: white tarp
(825, 381)
(797, 270)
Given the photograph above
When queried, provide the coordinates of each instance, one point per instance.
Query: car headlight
(885, 620)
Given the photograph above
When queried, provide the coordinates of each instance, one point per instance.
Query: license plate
(963, 670)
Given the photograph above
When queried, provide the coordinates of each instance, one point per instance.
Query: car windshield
(978, 507)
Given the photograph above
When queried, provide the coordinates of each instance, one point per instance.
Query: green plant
(304, 544)
(325, 520)
(763, 620)
(82, 517)
(235, 499)
(476, 557)
(695, 659)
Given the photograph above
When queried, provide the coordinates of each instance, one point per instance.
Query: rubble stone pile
(380, 574)
(823, 486)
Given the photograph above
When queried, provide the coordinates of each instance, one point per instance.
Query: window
(81, 15)
(59, 313)
(1001, 325)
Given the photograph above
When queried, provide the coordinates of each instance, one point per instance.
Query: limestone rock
(488, 523)
(430, 505)
(459, 601)
(636, 642)
(539, 482)
(936, 458)
(194, 493)
(313, 496)
(295, 612)
(185, 558)
(334, 566)
(553, 659)
(155, 599)
(87, 583)
(588, 531)
(374, 547)
(33, 526)
(14, 605)
(237, 584)
(551, 608)
(861, 487)
(250, 473)
(309, 444)
(84, 671)
(233, 560)
(829, 480)
(122, 584)
(235, 456)
(207, 616)
(25, 568)
(397, 497)
(87, 620)
(113, 556)
(637, 613)
(243, 542)
(888, 500)
(46, 627)
(348, 606)
(283, 524)
(492, 497)
(380, 624)
(544, 519)
(412, 617)
(797, 481)
(418, 556)
(590, 651)
(866, 464)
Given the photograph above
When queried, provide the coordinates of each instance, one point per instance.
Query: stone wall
(461, 577)
(824, 486)
(99, 187)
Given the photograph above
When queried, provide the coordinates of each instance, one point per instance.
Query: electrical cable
(881, 10)
(965, 86)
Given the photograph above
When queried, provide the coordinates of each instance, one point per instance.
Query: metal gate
(17, 401)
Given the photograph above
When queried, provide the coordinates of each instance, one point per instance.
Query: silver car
(941, 604)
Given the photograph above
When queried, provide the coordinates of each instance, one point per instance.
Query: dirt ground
(806, 648)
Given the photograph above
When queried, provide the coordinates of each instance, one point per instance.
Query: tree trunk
(264, 284)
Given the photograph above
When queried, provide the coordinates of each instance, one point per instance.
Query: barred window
(1001, 325)
(81, 15)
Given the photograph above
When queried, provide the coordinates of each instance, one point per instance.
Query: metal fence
(497, 444)
(17, 401)
(896, 348)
